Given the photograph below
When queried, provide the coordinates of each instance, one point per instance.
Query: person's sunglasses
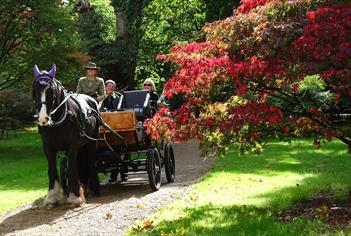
(147, 85)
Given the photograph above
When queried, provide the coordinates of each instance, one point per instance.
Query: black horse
(67, 122)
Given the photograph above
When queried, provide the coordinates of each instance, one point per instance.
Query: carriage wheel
(169, 162)
(153, 165)
(64, 174)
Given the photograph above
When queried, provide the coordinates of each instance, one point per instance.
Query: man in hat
(92, 85)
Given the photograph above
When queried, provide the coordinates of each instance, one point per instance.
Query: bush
(16, 106)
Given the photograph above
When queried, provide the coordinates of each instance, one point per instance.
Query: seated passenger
(110, 103)
(149, 86)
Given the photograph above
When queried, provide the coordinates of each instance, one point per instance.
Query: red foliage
(161, 125)
(247, 5)
(266, 61)
(200, 63)
(325, 46)
(244, 71)
(255, 113)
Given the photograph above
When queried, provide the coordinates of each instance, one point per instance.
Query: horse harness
(81, 117)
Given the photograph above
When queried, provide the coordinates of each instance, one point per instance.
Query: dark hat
(91, 65)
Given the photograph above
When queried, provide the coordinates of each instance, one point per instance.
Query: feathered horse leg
(54, 195)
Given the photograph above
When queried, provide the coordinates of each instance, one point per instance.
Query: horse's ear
(52, 72)
(36, 71)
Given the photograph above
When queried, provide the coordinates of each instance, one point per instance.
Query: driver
(92, 85)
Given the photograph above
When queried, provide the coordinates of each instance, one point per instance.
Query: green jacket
(91, 87)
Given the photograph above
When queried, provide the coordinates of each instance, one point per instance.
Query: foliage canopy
(275, 68)
(35, 32)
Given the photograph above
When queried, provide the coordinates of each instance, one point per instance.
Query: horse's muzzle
(44, 122)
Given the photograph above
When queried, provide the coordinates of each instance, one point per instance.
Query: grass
(23, 170)
(242, 195)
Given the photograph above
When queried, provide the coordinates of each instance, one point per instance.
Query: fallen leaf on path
(108, 215)
(141, 206)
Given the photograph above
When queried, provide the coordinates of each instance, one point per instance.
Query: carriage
(124, 147)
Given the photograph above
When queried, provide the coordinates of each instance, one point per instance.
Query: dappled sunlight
(33, 128)
(247, 189)
(19, 197)
(212, 219)
(243, 193)
(290, 161)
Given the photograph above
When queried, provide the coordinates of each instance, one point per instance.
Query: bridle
(47, 82)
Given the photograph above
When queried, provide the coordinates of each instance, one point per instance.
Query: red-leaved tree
(275, 68)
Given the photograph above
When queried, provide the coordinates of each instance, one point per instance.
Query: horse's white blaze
(73, 199)
(43, 114)
(54, 195)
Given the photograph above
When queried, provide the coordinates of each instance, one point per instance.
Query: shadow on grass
(233, 220)
(326, 169)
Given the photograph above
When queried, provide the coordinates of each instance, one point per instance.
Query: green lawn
(23, 170)
(242, 195)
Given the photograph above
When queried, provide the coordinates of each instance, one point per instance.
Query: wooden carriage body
(123, 122)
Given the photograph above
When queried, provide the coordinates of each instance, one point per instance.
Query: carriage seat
(138, 101)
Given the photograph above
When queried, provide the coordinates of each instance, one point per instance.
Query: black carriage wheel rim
(157, 169)
(171, 161)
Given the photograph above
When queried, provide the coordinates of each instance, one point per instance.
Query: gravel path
(117, 209)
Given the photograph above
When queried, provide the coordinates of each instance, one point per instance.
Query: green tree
(97, 30)
(117, 54)
(169, 22)
(165, 23)
(35, 32)
(143, 29)
(128, 21)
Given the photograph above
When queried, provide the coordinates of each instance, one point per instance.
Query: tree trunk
(82, 6)
(121, 24)
(128, 21)
(123, 63)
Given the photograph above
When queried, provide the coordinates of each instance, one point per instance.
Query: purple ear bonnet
(44, 77)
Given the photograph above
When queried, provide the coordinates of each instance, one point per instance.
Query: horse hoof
(50, 206)
(51, 203)
(54, 196)
(74, 200)
(73, 205)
